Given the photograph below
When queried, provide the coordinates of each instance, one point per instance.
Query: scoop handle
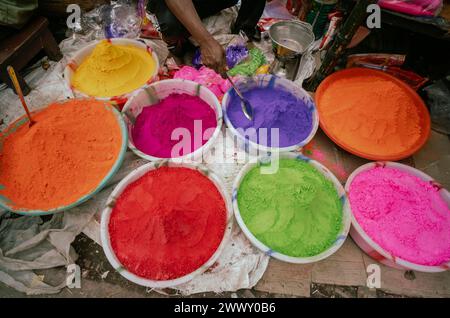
(15, 81)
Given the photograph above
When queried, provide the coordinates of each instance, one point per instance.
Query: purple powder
(234, 55)
(273, 108)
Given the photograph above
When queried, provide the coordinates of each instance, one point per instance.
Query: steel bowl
(291, 38)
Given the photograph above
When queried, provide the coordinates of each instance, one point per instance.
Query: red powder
(167, 223)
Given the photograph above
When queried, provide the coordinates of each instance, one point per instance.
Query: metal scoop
(245, 104)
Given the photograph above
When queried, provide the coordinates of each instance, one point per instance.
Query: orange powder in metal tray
(62, 157)
(372, 114)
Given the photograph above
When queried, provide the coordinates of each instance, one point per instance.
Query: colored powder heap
(405, 215)
(273, 108)
(113, 70)
(152, 131)
(235, 53)
(62, 157)
(249, 66)
(168, 223)
(295, 211)
(371, 115)
(206, 77)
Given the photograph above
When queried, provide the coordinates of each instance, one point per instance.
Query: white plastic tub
(372, 248)
(275, 82)
(83, 53)
(130, 178)
(346, 219)
(160, 90)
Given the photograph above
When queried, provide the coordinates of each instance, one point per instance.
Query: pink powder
(152, 131)
(206, 77)
(405, 215)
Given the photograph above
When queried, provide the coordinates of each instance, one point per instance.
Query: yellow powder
(113, 70)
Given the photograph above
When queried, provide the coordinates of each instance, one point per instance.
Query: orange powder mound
(62, 157)
(370, 114)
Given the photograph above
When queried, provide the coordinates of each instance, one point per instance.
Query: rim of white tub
(133, 176)
(167, 87)
(268, 80)
(346, 220)
(372, 248)
(79, 56)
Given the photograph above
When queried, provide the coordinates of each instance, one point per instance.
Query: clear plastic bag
(122, 20)
(438, 100)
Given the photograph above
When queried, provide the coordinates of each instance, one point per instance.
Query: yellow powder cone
(113, 70)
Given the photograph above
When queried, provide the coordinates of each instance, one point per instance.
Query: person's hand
(213, 56)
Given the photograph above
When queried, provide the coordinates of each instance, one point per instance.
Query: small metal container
(290, 39)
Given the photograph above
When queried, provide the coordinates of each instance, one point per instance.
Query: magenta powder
(152, 131)
(403, 214)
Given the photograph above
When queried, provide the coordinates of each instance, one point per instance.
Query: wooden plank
(345, 267)
(436, 147)
(287, 279)
(434, 158)
(421, 285)
(349, 252)
(339, 273)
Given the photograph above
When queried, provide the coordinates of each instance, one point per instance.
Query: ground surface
(341, 275)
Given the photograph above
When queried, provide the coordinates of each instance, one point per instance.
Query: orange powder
(62, 157)
(370, 115)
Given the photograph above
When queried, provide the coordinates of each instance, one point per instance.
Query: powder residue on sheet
(62, 157)
(295, 211)
(168, 223)
(154, 127)
(370, 114)
(113, 69)
(403, 214)
(272, 108)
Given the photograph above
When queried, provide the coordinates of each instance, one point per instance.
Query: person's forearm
(185, 12)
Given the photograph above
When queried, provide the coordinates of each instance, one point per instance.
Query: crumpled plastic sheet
(306, 68)
(27, 244)
(219, 26)
(308, 63)
(438, 100)
(277, 9)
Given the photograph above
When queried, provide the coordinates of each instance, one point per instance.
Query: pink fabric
(412, 7)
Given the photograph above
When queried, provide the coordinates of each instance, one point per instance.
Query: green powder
(295, 211)
(248, 67)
